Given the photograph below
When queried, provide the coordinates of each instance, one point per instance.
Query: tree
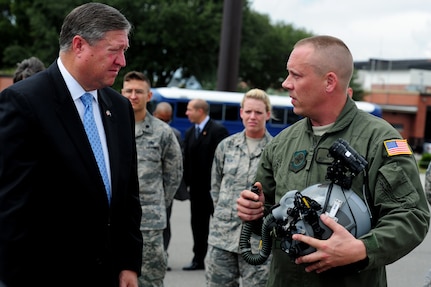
(35, 26)
(174, 34)
(8, 30)
(265, 49)
(358, 91)
(167, 35)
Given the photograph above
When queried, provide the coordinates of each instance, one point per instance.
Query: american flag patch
(396, 147)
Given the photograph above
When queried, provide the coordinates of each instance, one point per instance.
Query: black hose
(244, 241)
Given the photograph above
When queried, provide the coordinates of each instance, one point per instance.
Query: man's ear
(331, 82)
(78, 43)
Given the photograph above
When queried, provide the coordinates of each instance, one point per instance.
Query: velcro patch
(396, 147)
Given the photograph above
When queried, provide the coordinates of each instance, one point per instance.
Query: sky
(382, 29)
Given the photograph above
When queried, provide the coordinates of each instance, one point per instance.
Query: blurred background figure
(427, 282)
(200, 142)
(163, 112)
(234, 168)
(27, 67)
(160, 170)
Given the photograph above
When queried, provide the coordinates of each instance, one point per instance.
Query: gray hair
(91, 21)
(27, 67)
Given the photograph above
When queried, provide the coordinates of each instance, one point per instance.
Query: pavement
(408, 271)
(180, 251)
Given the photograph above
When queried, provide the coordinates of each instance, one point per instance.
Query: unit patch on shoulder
(396, 147)
(298, 161)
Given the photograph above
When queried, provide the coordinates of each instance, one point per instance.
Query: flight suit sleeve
(400, 210)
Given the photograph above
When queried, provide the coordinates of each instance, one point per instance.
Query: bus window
(231, 113)
(216, 111)
(181, 110)
(277, 116)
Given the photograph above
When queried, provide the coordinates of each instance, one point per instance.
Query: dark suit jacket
(55, 221)
(198, 157)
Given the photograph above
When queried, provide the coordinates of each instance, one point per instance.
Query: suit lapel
(68, 115)
(203, 135)
(205, 130)
(72, 123)
(109, 119)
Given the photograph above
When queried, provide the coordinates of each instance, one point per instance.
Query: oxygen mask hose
(266, 240)
(298, 212)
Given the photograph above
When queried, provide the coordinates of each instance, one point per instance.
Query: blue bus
(224, 108)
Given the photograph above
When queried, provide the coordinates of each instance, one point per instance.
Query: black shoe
(194, 266)
(168, 268)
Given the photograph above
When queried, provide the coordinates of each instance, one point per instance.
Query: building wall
(5, 81)
(405, 110)
(394, 97)
(403, 89)
(382, 78)
(402, 122)
(411, 79)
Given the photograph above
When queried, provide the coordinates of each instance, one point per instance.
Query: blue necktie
(93, 136)
(197, 131)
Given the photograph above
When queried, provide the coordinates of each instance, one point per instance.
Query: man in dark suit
(61, 223)
(200, 143)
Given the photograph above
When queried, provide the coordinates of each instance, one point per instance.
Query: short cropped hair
(135, 75)
(332, 54)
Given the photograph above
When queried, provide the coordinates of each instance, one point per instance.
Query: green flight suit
(296, 159)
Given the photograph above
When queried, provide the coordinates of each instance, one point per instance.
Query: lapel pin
(108, 113)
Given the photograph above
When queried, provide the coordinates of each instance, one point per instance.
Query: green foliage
(35, 26)
(425, 160)
(172, 34)
(358, 92)
(6, 26)
(167, 35)
(265, 49)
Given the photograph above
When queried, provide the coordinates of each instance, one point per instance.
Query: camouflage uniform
(233, 170)
(160, 169)
(428, 195)
(428, 183)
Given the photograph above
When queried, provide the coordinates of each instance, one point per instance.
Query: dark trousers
(167, 230)
(201, 211)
